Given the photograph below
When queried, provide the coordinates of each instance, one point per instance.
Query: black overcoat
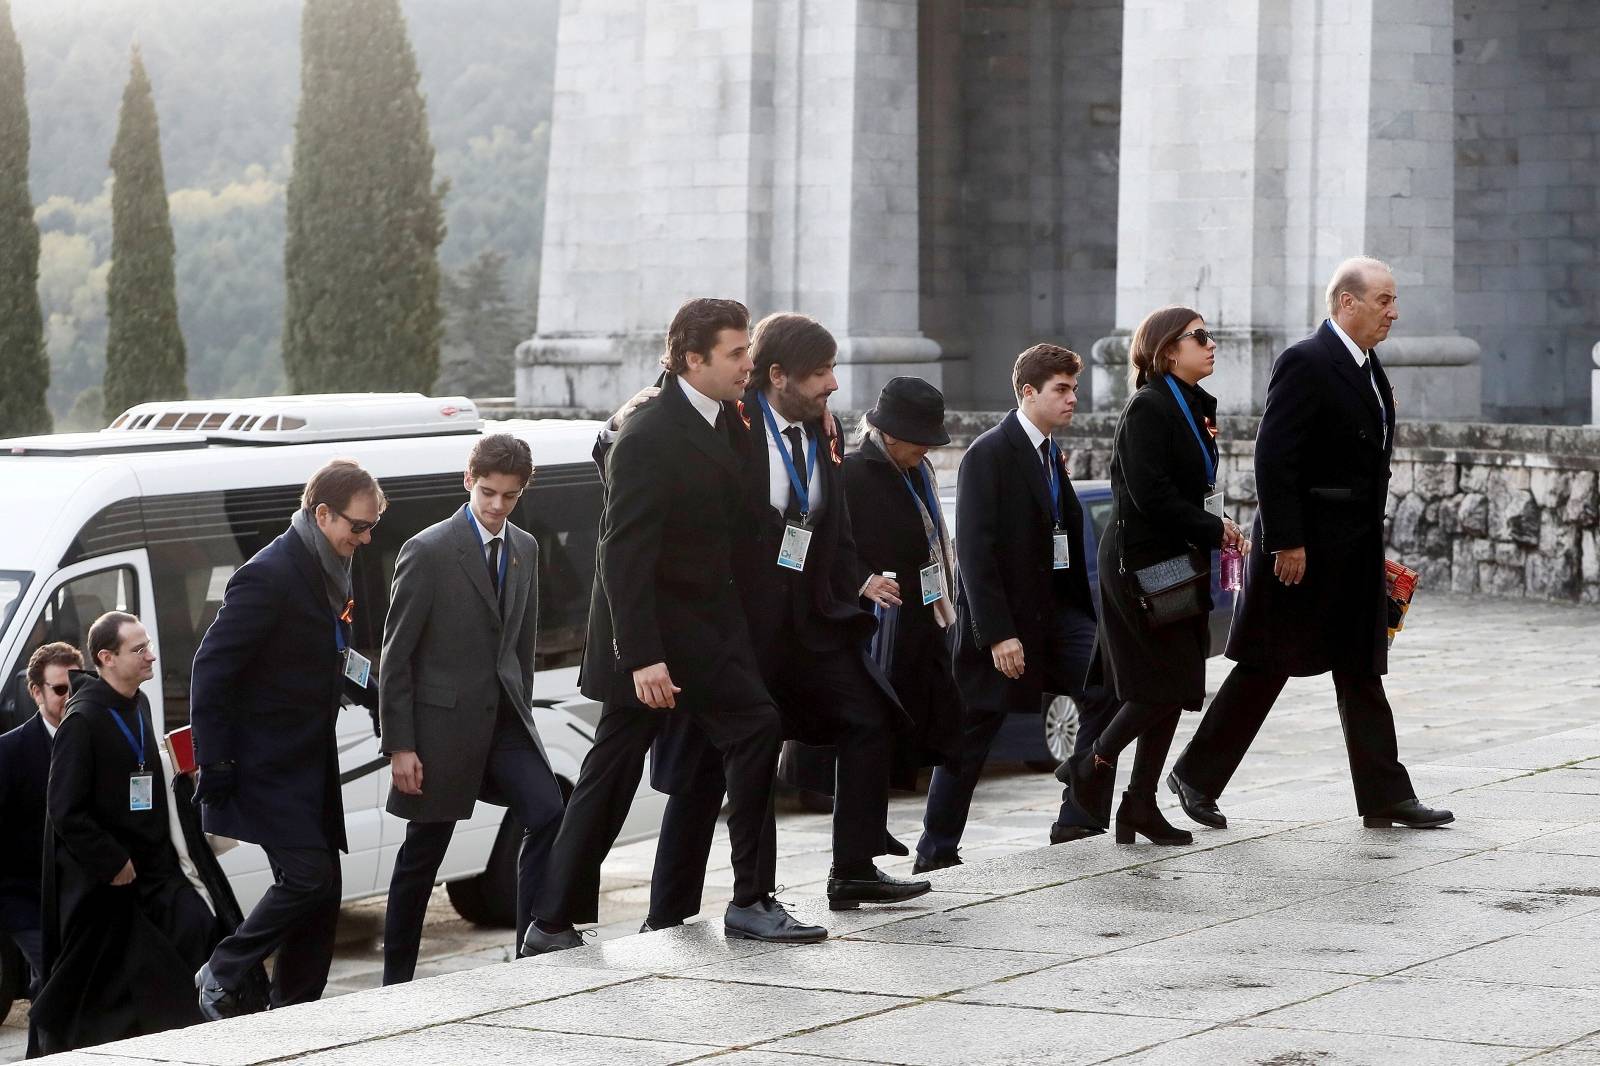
(664, 577)
(1322, 479)
(24, 772)
(265, 693)
(1158, 493)
(1004, 523)
(119, 960)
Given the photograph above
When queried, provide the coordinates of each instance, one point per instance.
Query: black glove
(216, 784)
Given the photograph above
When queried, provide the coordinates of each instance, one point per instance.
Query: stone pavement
(1295, 936)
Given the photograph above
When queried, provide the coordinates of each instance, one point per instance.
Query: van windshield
(13, 583)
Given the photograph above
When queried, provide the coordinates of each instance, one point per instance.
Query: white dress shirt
(1036, 437)
(708, 408)
(48, 728)
(778, 474)
(1365, 364)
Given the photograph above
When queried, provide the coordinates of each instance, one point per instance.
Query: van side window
(66, 615)
(562, 511)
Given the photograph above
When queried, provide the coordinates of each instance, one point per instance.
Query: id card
(796, 543)
(931, 579)
(141, 792)
(1061, 550)
(1214, 504)
(357, 667)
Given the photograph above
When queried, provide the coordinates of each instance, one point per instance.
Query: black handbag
(1173, 589)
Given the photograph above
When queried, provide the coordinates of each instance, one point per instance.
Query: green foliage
(145, 357)
(364, 219)
(24, 365)
(483, 330)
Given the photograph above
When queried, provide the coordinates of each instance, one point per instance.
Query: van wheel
(490, 899)
(13, 974)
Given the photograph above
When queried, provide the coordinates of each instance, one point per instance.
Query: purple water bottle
(1232, 569)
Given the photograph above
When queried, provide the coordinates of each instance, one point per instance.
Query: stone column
(1594, 387)
(764, 150)
(1262, 143)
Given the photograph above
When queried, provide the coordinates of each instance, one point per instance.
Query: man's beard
(796, 406)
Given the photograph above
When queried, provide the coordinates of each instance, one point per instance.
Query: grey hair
(867, 431)
(1352, 277)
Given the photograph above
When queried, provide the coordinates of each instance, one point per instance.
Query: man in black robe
(123, 928)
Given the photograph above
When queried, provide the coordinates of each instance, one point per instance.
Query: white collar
(1355, 349)
(1035, 437)
(708, 408)
(483, 530)
(783, 423)
(48, 728)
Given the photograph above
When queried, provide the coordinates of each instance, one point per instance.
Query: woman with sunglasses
(1165, 506)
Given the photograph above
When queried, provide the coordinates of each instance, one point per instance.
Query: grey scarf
(335, 569)
(944, 612)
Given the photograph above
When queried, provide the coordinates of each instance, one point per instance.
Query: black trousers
(19, 918)
(296, 918)
(748, 739)
(1235, 716)
(520, 775)
(1151, 727)
(678, 881)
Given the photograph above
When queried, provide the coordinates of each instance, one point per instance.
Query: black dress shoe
(848, 893)
(1410, 814)
(647, 926)
(1138, 813)
(538, 942)
(891, 846)
(1066, 834)
(942, 862)
(1196, 805)
(216, 1002)
(766, 920)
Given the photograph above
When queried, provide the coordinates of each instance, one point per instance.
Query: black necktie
(797, 452)
(494, 564)
(719, 422)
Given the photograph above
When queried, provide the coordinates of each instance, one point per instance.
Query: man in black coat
(1315, 600)
(123, 927)
(1025, 621)
(264, 704)
(24, 773)
(667, 637)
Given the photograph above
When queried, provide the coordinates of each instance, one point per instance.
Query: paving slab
(1558, 961)
(1276, 940)
(1269, 1047)
(1024, 923)
(484, 1045)
(1567, 875)
(910, 970)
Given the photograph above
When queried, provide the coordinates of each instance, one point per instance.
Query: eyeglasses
(1202, 336)
(357, 526)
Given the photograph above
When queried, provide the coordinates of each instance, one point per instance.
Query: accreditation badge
(931, 579)
(1060, 550)
(1214, 504)
(357, 667)
(141, 792)
(796, 544)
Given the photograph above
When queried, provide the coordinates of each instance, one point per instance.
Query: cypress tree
(364, 218)
(24, 364)
(145, 358)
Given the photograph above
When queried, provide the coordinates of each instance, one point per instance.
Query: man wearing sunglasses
(267, 684)
(24, 772)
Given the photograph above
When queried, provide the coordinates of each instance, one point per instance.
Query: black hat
(911, 410)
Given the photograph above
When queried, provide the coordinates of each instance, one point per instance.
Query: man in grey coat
(457, 677)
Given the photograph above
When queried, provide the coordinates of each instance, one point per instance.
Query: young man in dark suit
(264, 703)
(1315, 600)
(1025, 622)
(667, 637)
(455, 694)
(24, 773)
(802, 593)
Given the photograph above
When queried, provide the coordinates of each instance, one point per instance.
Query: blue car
(1022, 739)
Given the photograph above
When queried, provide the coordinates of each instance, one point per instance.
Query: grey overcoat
(449, 650)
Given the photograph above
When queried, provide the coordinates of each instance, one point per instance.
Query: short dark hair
(339, 482)
(798, 343)
(105, 634)
(1150, 351)
(59, 653)
(501, 453)
(1039, 364)
(695, 327)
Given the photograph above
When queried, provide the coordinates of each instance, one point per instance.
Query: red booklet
(1401, 582)
(180, 742)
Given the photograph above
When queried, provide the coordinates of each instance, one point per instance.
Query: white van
(154, 514)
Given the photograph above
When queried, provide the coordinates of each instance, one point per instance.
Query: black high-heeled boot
(1138, 813)
(1091, 776)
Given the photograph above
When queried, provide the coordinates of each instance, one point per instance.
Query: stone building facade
(944, 182)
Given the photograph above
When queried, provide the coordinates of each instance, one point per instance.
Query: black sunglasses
(1202, 336)
(59, 690)
(357, 526)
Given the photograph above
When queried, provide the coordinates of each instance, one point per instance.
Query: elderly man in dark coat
(1314, 600)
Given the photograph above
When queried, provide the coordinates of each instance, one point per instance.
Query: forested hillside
(226, 79)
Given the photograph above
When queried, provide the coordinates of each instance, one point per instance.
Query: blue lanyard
(485, 546)
(927, 499)
(801, 494)
(138, 748)
(339, 640)
(1052, 478)
(1205, 453)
